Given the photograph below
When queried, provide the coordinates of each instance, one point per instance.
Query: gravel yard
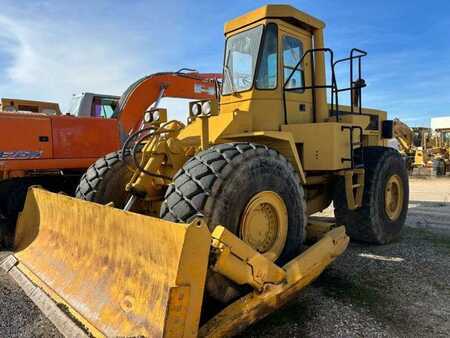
(396, 290)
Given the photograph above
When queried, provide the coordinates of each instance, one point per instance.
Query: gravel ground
(396, 290)
(19, 317)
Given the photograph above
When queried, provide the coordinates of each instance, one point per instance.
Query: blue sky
(52, 49)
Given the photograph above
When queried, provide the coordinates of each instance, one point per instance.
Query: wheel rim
(393, 197)
(264, 224)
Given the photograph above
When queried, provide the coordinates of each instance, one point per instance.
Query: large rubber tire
(218, 183)
(370, 223)
(105, 181)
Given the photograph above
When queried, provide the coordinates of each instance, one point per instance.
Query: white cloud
(51, 59)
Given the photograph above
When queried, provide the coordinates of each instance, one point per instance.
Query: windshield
(241, 53)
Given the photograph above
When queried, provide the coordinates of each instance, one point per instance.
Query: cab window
(241, 53)
(103, 107)
(292, 53)
(267, 74)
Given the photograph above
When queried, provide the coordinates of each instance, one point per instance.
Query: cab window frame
(299, 69)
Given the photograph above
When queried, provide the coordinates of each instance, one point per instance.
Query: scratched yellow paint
(114, 270)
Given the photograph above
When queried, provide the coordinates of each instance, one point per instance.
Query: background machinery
(54, 150)
(414, 145)
(29, 106)
(441, 151)
(425, 151)
(84, 104)
(405, 138)
(202, 225)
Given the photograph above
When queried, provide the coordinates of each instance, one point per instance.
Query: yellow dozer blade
(114, 273)
(99, 271)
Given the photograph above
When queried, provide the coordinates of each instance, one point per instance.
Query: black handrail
(313, 86)
(359, 83)
(354, 85)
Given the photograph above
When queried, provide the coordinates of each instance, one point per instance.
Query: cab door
(293, 43)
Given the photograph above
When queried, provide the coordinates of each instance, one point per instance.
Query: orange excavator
(54, 150)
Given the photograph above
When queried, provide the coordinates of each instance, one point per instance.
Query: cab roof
(283, 12)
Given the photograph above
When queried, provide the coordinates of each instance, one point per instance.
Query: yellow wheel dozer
(198, 229)
(99, 271)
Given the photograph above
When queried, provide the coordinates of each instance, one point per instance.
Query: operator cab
(274, 60)
(262, 54)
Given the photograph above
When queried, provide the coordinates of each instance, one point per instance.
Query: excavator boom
(146, 91)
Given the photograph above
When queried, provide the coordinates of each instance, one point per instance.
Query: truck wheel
(13, 193)
(439, 167)
(12, 200)
(252, 191)
(105, 181)
(385, 203)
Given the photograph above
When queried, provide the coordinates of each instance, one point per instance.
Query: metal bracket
(354, 191)
(237, 261)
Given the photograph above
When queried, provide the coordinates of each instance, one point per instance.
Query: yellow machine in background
(426, 152)
(405, 138)
(441, 151)
(203, 224)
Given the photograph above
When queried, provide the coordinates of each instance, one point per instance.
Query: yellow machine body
(305, 133)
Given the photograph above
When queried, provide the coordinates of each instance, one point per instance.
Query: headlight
(206, 108)
(151, 116)
(196, 109)
(155, 115)
(148, 117)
